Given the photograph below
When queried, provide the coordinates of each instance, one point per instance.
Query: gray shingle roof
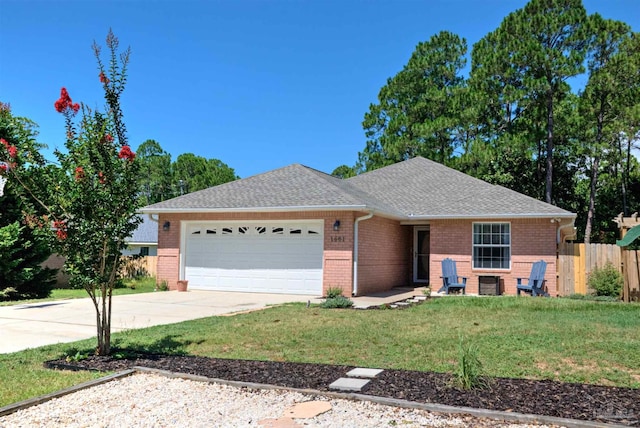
(289, 187)
(416, 188)
(422, 188)
(146, 233)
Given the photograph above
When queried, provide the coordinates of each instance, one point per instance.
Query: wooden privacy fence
(577, 261)
(631, 271)
(135, 266)
(132, 266)
(630, 264)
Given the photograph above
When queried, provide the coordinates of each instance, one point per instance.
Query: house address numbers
(337, 239)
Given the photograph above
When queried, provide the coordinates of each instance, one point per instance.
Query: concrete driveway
(61, 321)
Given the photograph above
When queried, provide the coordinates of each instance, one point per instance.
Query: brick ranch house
(300, 231)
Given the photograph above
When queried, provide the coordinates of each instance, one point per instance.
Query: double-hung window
(491, 245)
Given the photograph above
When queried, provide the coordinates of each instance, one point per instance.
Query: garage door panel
(276, 283)
(243, 262)
(267, 257)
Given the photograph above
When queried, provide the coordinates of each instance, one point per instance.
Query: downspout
(561, 228)
(155, 220)
(355, 250)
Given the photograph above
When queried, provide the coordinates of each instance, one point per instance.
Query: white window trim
(473, 246)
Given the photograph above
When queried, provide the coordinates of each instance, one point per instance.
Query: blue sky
(258, 84)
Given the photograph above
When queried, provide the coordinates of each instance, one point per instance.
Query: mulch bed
(565, 400)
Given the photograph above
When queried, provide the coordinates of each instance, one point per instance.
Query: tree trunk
(549, 180)
(625, 178)
(595, 168)
(108, 329)
(104, 325)
(99, 329)
(592, 199)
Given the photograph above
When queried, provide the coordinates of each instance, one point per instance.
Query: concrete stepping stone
(403, 304)
(308, 409)
(361, 372)
(349, 384)
(420, 298)
(279, 423)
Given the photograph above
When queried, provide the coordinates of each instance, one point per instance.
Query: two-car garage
(254, 256)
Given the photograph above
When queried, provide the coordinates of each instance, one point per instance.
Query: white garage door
(268, 257)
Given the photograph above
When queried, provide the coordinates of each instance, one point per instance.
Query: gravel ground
(148, 400)
(538, 397)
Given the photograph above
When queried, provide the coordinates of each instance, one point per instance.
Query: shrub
(22, 251)
(606, 281)
(333, 292)
(337, 302)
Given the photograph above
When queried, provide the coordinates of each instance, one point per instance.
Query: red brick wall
(384, 259)
(337, 258)
(531, 240)
(168, 268)
(337, 262)
(385, 250)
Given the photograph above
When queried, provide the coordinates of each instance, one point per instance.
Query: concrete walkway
(62, 321)
(387, 297)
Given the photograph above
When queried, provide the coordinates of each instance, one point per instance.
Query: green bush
(21, 253)
(606, 281)
(337, 302)
(333, 292)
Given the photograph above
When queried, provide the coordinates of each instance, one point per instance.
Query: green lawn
(561, 339)
(132, 286)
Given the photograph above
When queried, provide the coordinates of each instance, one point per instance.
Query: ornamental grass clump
(468, 373)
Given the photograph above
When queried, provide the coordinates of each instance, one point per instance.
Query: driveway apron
(62, 321)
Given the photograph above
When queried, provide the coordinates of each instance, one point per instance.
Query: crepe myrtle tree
(91, 194)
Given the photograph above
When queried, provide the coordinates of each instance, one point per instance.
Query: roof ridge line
(331, 180)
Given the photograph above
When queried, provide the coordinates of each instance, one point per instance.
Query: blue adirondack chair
(536, 280)
(450, 278)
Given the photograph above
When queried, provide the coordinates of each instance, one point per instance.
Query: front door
(421, 254)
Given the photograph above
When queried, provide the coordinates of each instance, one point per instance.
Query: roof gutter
(490, 216)
(355, 250)
(254, 209)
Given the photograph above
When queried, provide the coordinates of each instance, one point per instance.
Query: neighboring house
(298, 230)
(144, 240)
